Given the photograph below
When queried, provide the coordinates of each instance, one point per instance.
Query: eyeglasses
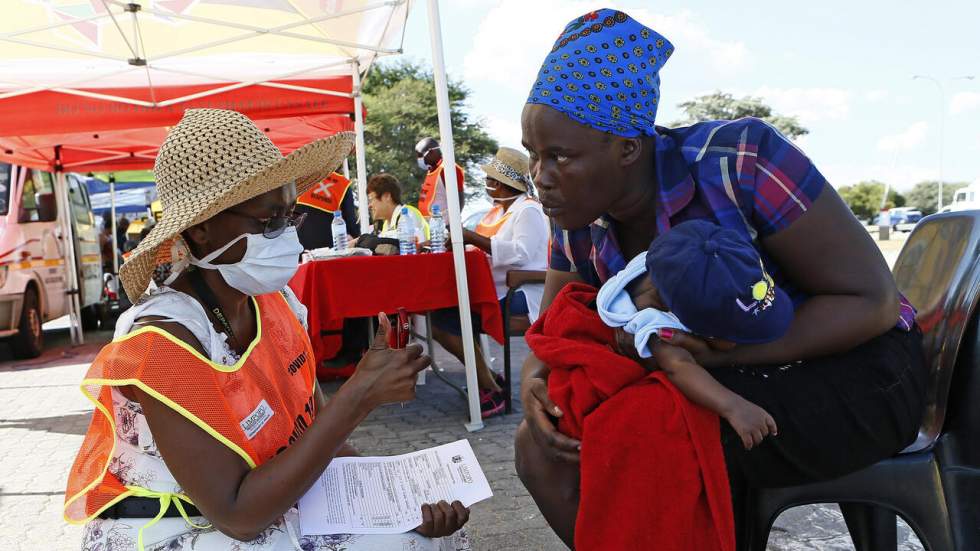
(275, 226)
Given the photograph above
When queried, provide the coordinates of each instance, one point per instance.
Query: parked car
(33, 251)
(907, 221)
(901, 219)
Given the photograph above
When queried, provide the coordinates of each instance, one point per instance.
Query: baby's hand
(751, 422)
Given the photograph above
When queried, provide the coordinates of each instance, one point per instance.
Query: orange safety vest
(488, 228)
(427, 195)
(327, 195)
(257, 407)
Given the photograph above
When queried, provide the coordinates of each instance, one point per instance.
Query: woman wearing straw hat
(210, 423)
(514, 233)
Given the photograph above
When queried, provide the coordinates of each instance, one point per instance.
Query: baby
(708, 281)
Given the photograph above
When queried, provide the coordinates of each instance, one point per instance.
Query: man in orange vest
(320, 203)
(433, 192)
(346, 340)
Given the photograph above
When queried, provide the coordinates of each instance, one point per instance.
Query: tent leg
(362, 201)
(455, 227)
(112, 205)
(71, 266)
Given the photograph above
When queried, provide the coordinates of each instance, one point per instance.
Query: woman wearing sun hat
(845, 384)
(210, 424)
(514, 234)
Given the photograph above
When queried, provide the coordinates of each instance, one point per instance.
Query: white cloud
(514, 37)
(875, 96)
(507, 131)
(963, 102)
(906, 140)
(809, 104)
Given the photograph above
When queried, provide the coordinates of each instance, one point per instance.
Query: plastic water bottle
(437, 231)
(406, 233)
(338, 228)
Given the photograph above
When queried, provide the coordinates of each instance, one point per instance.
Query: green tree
(864, 198)
(924, 194)
(401, 109)
(724, 106)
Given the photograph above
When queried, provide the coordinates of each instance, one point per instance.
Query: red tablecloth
(362, 286)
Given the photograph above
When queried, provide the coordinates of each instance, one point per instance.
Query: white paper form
(384, 495)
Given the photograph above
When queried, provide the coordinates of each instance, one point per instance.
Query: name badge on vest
(257, 419)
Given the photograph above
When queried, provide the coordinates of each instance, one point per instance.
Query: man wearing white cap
(428, 154)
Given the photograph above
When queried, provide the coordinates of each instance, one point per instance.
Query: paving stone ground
(43, 417)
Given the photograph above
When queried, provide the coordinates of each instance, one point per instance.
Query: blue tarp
(130, 196)
(95, 185)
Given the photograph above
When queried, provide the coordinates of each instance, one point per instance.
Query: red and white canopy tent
(94, 85)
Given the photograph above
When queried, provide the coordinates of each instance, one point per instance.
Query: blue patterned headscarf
(603, 72)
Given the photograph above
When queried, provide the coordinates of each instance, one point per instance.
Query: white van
(967, 198)
(33, 278)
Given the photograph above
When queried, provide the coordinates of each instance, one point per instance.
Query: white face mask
(266, 267)
(422, 164)
(499, 199)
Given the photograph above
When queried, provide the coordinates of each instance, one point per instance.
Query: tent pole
(455, 227)
(112, 206)
(71, 267)
(346, 168)
(362, 201)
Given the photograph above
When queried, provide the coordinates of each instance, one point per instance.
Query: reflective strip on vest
(418, 218)
(326, 195)
(275, 377)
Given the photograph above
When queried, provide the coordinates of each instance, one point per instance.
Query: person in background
(514, 234)
(105, 245)
(319, 204)
(429, 157)
(122, 228)
(385, 201)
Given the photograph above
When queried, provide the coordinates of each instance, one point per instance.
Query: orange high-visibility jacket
(326, 195)
(257, 407)
(427, 195)
(488, 227)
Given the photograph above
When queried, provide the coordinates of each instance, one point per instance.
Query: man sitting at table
(385, 201)
(320, 203)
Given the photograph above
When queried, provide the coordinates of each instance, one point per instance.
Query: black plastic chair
(935, 483)
(515, 326)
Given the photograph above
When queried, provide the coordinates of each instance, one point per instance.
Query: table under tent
(94, 87)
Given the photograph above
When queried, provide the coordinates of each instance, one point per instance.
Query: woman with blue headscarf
(845, 384)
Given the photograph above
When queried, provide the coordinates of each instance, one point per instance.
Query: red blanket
(653, 474)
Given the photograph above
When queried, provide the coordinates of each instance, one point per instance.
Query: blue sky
(844, 68)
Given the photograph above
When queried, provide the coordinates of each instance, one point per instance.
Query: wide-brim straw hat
(509, 167)
(215, 159)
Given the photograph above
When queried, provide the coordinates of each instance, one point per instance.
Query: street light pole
(942, 118)
(942, 121)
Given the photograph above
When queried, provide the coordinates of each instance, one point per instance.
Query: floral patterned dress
(136, 461)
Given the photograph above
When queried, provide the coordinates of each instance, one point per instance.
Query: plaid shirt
(743, 175)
